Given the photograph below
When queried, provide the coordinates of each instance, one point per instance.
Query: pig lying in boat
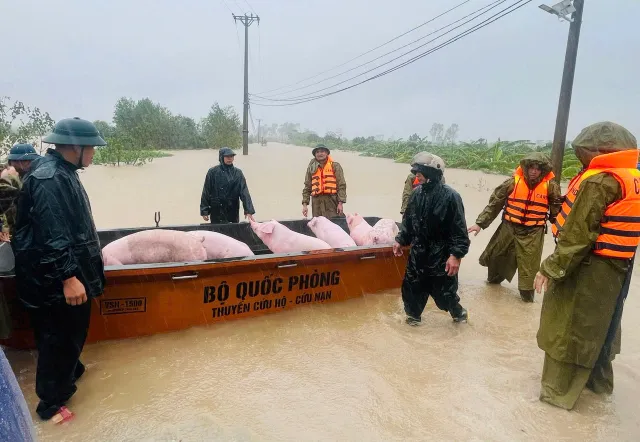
(280, 239)
(220, 246)
(155, 246)
(330, 232)
(383, 232)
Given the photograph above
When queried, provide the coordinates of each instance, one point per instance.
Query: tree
(19, 123)
(451, 135)
(105, 129)
(221, 128)
(437, 133)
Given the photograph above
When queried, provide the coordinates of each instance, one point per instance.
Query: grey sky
(76, 58)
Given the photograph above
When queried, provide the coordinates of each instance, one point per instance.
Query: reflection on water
(346, 371)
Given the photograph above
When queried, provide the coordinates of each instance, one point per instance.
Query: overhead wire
(227, 6)
(463, 34)
(250, 8)
(370, 51)
(487, 7)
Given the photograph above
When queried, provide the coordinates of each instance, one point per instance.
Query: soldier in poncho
(587, 276)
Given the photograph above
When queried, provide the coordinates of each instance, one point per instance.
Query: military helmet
(226, 152)
(427, 159)
(76, 132)
(22, 152)
(318, 147)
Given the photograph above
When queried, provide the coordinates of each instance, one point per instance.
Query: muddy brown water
(345, 371)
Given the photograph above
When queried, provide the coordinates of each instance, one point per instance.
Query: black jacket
(55, 237)
(224, 188)
(435, 227)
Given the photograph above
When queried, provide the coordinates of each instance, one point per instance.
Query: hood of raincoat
(602, 138)
(225, 152)
(535, 158)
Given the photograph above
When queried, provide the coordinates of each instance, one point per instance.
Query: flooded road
(345, 371)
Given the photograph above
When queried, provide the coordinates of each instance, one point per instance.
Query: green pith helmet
(22, 152)
(75, 132)
(318, 147)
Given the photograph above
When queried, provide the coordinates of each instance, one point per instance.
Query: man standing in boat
(587, 277)
(527, 200)
(435, 227)
(58, 261)
(224, 187)
(325, 185)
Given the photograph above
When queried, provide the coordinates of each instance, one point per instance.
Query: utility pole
(246, 20)
(566, 88)
(259, 139)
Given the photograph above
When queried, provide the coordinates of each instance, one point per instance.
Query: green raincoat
(582, 308)
(513, 246)
(324, 205)
(10, 186)
(406, 192)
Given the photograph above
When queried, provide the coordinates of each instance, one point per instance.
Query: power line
(368, 52)
(239, 7)
(387, 62)
(417, 57)
(250, 8)
(489, 6)
(227, 6)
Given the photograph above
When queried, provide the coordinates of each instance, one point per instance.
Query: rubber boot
(527, 295)
(458, 313)
(413, 321)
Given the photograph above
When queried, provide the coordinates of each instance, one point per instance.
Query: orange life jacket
(323, 181)
(528, 207)
(416, 182)
(620, 226)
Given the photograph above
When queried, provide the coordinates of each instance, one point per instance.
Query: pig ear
(312, 222)
(266, 227)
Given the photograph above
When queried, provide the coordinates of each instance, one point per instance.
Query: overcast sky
(76, 58)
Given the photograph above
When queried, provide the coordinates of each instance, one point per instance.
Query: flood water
(344, 371)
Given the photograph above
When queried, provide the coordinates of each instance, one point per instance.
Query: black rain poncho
(224, 187)
(55, 237)
(435, 227)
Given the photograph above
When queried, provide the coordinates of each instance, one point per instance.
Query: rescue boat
(146, 299)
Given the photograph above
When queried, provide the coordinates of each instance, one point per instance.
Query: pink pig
(155, 246)
(280, 239)
(330, 232)
(360, 230)
(385, 231)
(219, 246)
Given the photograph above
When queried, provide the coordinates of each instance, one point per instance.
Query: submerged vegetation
(498, 157)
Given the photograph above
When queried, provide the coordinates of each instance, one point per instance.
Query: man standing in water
(527, 200)
(224, 187)
(324, 181)
(588, 274)
(59, 267)
(19, 161)
(434, 226)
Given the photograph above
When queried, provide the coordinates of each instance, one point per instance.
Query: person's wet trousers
(60, 333)
(416, 292)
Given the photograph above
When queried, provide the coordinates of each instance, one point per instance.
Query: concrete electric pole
(562, 9)
(246, 20)
(259, 139)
